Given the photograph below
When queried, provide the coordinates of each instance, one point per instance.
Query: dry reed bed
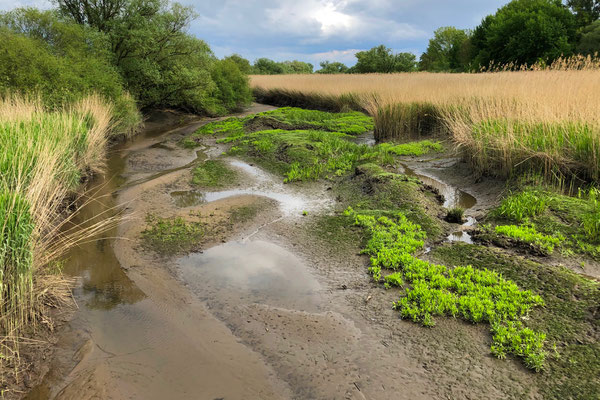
(547, 120)
(43, 156)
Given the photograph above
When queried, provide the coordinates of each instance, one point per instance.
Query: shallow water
(250, 272)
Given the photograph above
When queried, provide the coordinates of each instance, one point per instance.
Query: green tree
(590, 39)
(265, 66)
(61, 61)
(161, 64)
(242, 63)
(448, 50)
(332, 68)
(232, 90)
(586, 11)
(298, 67)
(382, 59)
(524, 32)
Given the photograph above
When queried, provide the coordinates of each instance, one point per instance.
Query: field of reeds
(44, 155)
(507, 121)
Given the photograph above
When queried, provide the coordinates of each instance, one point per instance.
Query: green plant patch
(569, 317)
(170, 236)
(528, 234)
(574, 218)
(350, 123)
(213, 173)
(476, 295)
(413, 148)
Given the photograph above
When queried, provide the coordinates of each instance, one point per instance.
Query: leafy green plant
(528, 234)
(434, 290)
(519, 206)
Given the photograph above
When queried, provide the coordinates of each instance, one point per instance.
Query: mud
(263, 309)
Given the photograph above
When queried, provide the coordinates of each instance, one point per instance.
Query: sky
(318, 30)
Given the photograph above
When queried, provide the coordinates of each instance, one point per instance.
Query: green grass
(16, 259)
(213, 173)
(455, 215)
(350, 123)
(505, 147)
(171, 236)
(430, 290)
(528, 234)
(569, 317)
(413, 148)
(522, 205)
(575, 218)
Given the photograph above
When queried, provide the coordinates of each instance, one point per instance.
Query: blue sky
(317, 30)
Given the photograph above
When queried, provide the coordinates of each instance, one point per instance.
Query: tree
(243, 64)
(332, 68)
(448, 50)
(586, 11)
(265, 66)
(61, 61)
(298, 67)
(161, 64)
(590, 39)
(382, 59)
(525, 32)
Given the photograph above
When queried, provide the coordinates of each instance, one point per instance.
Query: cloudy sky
(317, 30)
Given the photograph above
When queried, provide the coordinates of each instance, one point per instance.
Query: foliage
(448, 50)
(527, 233)
(161, 64)
(412, 148)
(382, 59)
(232, 89)
(568, 317)
(591, 219)
(171, 236)
(477, 295)
(242, 63)
(212, 173)
(586, 11)
(265, 66)
(335, 67)
(522, 205)
(40, 52)
(524, 32)
(590, 39)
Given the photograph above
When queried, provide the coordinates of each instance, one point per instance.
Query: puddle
(187, 198)
(250, 272)
(367, 138)
(460, 236)
(250, 170)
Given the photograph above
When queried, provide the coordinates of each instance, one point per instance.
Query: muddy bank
(268, 304)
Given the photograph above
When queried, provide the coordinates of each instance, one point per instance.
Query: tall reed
(43, 156)
(543, 118)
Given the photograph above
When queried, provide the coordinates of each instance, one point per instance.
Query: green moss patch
(413, 148)
(213, 173)
(171, 236)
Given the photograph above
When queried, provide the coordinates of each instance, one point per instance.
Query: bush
(232, 87)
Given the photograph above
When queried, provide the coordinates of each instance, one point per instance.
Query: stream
(203, 325)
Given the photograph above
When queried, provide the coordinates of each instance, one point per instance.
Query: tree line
(521, 32)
